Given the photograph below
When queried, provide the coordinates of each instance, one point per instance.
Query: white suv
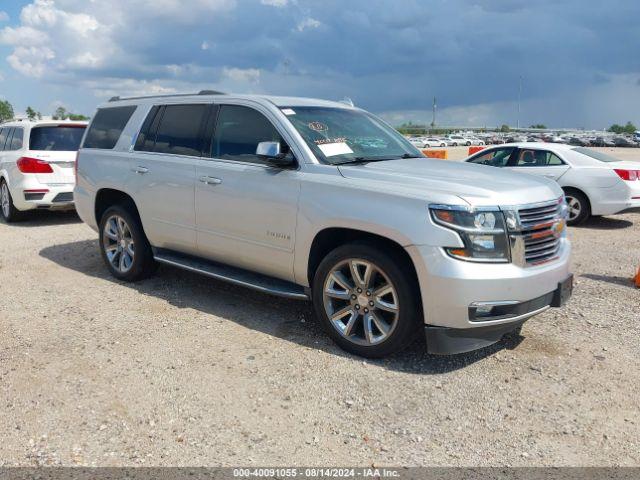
(37, 166)
(321, 201)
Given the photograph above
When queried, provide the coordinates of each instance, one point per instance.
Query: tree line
(61, 113)
(629, 128)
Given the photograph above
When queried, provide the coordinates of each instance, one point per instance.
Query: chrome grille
(530, 217)
(539, 232)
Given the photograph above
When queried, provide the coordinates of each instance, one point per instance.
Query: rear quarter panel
(99, 169)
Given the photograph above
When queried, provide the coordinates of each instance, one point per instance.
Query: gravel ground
(183, 370)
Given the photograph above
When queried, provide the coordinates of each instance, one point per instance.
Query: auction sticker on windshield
(318, 126)
(333, 149)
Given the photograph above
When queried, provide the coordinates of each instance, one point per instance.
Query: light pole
(433, 120)
(519, 96)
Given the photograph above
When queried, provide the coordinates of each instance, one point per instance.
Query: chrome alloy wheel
(118, 243)
(361, 302)
(575, 207)
(4, 200)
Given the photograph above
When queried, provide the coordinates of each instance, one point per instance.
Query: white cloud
(125, 87)
(275, 3)
(205, 46)
(307, 23)
(23, 36)
(177, 10)
(92, 35)
(40, 13)
(82, 24)
(4, 16)
(245, 75)
(84, 60)
(31, 61)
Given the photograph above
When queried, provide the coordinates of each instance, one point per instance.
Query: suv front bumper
(448, 341)
(472, 305)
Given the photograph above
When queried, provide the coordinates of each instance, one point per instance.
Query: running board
(226, 273)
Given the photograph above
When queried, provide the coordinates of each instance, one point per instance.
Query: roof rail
(202, 92)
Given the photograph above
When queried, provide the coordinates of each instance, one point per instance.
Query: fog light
(483, 242)
(484, 310)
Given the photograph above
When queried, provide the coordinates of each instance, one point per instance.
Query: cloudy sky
(579, 61)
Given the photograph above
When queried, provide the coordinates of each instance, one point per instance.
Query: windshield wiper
(361, 160)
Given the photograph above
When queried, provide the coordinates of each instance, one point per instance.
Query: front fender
(402, 219)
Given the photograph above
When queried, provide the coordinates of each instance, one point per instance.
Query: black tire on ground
(577, 199)
(143, 264)
(399, 273)
(11, 214)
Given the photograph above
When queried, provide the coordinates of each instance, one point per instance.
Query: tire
(468, 144)
(8, 210)
(454, 144)
(579, 207)
(133, 259)
(397, 311)
(442, 145)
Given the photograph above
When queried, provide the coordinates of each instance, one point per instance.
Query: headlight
(482, 231)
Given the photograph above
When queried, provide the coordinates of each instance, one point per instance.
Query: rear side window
(56, 139)
(537, 158)
(7, 144)
(16, 141)
(107, 126)
(3, 137)
(147, 137)
(602, 157)
(180, 131)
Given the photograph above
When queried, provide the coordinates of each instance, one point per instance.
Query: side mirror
(272, 153)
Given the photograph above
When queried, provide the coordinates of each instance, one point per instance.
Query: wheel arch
(5, 176)
(330, 238)
(107, 197)
(568, 188)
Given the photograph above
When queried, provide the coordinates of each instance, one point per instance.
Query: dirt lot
(183, 370)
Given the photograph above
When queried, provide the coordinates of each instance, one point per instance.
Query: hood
(478, 185)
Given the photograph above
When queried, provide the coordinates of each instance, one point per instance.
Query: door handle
(141, 169)
(210, 180)
(549, 175)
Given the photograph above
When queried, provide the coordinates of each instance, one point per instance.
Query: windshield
(340, 135)
(602, 157)
(56, 139)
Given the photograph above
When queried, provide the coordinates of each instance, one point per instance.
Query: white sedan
(594, 183)
(417, 142)
(434, 142)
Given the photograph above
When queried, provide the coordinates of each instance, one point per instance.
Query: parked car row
(448, 141)
(581, 140)
(309, 200)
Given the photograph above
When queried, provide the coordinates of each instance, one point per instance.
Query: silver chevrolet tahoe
(322, 201)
